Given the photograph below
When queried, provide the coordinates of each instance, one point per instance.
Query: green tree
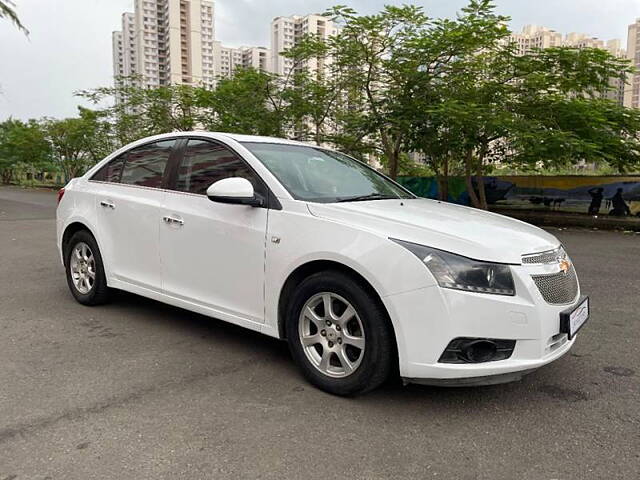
(307, 93)
(467, 125)
(397, 82)
(452, 56)
(565, 130)
(22, 144)
(249, 103)
(139, 112)
(564, 119)
(7, 11)
(100, 133)
(541, 107)
(71, 145)
(309, 101)
(369, 57)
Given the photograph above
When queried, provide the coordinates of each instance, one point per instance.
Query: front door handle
(174, 220)
(107, 204)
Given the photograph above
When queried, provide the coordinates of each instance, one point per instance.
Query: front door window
(207, 162)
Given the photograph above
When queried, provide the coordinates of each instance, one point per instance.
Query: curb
(599, 222)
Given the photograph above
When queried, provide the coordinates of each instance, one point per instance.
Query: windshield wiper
(368, 196)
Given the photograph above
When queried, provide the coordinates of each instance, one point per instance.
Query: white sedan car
(361, 277)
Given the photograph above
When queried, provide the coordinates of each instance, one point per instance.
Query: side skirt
(187, 305)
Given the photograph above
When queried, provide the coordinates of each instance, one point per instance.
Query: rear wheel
(339, 334)
(85, 270)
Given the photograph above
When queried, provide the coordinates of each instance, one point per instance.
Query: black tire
(99, 292)
(379, 352)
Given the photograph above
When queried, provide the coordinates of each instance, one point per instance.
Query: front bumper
(427, 319)
(496, 379)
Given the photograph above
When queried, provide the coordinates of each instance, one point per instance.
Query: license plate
(572, 320)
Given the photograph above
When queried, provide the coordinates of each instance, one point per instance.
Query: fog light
(477, 350)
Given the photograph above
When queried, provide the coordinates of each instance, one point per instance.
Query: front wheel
(85, 270)
(339, 334)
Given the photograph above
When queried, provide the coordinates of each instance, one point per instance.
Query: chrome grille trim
(556, 342)
(558, 288)
(550, 256)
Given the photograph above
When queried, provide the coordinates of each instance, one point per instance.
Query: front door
(212, 253)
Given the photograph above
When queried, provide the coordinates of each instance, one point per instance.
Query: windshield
(324, 176)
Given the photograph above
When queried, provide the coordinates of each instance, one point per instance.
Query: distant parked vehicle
(306, 244)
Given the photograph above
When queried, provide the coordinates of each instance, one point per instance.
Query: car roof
(234, 136)
(257, 138)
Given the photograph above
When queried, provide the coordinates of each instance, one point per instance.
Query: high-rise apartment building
(229, 59)
(226, 60)
(614, 47)
(632, 89)
(534, 36)
(286, 32)
(166, 42)
(118, 55)
(537, 37)
(124, 52)
(256, 57)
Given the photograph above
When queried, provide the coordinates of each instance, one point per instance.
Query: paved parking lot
(137, 389)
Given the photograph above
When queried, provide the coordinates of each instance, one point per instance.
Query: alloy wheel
(331, 334)
(83, 268)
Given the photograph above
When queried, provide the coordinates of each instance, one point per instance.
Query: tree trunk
(393, 166)
(392, 151)
(7, 176)
(67, 171)
(475, 201)
(439, 183)
(444, 189)
(392, 158)
(482, 194)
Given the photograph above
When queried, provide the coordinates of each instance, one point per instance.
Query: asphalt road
(137, 389)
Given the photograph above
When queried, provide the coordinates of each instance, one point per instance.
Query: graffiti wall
(610, 195)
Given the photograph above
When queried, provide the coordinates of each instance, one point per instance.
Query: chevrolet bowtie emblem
(564, 266)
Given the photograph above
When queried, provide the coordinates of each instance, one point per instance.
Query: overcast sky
(69, 47)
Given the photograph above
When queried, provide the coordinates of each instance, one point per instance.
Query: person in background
(620, 208)
(596, 200)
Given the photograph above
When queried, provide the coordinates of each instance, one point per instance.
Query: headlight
(462, 273)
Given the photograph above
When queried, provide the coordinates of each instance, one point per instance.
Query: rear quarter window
(110, 172)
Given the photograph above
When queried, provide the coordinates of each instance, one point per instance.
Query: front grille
(558, 288)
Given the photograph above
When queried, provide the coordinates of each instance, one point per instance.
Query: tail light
(60, 194)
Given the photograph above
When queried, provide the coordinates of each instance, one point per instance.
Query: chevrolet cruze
(362, 278)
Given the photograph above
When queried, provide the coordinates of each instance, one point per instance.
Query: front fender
(301, 238)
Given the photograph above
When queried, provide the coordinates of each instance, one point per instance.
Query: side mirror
(234, 190)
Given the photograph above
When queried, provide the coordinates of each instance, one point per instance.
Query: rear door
(129, 214)
(213, 253)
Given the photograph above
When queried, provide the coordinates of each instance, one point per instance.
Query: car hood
(470, 232)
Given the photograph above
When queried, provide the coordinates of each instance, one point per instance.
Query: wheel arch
(314, 266)
(72, 228)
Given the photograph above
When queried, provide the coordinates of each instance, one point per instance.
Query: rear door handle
(107, 204)
(174, 220)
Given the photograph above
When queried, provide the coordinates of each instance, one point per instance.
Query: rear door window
(145, 165)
